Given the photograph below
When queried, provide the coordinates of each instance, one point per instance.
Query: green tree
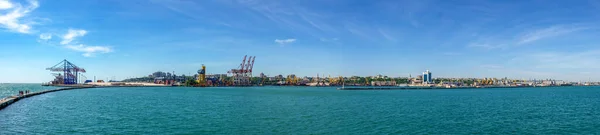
(191, 83)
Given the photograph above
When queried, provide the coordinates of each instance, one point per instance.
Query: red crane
(243, 62)
(252, 65)
(243, 73)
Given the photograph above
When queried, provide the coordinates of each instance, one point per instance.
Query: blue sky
(519, 39)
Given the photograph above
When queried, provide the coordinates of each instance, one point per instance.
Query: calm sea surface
(306, 110)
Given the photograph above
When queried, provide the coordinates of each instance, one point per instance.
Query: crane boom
(243, 63)
(252, 65)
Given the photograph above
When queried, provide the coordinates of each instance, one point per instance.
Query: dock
(12, 99)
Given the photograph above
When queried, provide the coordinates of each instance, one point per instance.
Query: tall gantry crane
(241, 75)
(70, 72)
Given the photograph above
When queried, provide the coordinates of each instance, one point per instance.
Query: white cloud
(285, 41)
(45, 36)
(71, 35)
(89, 51)
(11, 14)
(5, 4)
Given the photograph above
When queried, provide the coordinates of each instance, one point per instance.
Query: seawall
(12, 99)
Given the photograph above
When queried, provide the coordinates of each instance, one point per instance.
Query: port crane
(241, 75)
(70, 72)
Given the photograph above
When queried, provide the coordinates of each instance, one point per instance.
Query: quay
(12, 99)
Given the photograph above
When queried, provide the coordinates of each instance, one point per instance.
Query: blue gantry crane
(70, 72)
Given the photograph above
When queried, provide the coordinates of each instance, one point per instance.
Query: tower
(427, 77)
(429, 80)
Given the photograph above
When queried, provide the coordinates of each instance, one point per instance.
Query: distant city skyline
(465, 39)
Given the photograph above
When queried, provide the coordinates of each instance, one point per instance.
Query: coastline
(466, 87)
(5, 102)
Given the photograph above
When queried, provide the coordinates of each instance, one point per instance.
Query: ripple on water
(304, 110)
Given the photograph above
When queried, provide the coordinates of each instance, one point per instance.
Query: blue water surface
(306, 110)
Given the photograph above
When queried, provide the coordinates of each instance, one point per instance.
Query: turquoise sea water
(306, 110)
(11, 89)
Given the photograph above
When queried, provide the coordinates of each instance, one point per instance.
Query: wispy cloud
(452, 53)
(329, 39)
(547, 33)
(386, 35)
(298, 18)
(530, 35)
(285, 41)
(491, 66)
(181, 7)
(585, 73)
(359, 31)
(301, 19)
(45, 36)
(89, 51)
(562, 60)
(11, 15)
(372, 33)
(71, 35)
(486, 46)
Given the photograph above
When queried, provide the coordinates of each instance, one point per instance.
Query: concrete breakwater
(12, 99)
